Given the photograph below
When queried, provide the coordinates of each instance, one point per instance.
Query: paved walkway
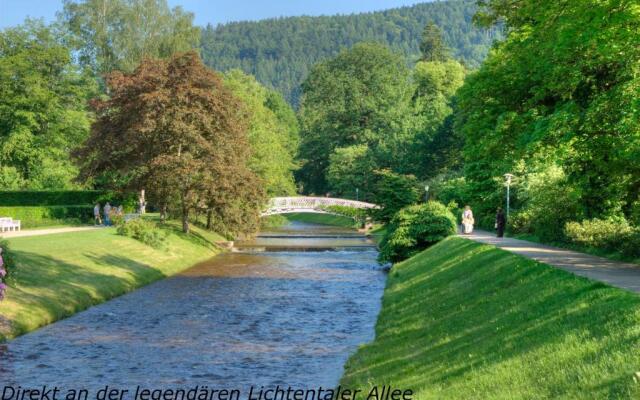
(622, 275)
(51, 231)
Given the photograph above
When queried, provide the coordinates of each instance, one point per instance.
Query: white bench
(9, 224)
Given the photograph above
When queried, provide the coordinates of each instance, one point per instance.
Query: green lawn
(59, 275)
(468, 321)
(323, 219)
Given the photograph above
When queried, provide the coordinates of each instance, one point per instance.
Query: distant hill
(281, 51)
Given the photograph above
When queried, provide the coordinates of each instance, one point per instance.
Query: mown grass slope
(323, 219)
(59, 275)
(468, 321)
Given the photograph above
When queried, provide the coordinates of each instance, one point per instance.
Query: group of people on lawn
(109, 212)
(468, 221)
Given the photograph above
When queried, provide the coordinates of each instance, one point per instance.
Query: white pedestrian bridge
(303, 204)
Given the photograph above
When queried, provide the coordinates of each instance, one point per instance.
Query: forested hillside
(280, 52)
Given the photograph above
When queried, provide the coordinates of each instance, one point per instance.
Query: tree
(360, 97)
(437, 147)
(432, 47)
(281, 52)
(42, 109)
(562, 91)
(394, 191)
(173, 128)
(272, 138)
(118, 34)
(351, 168)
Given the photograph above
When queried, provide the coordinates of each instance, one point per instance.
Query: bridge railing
(282, 204)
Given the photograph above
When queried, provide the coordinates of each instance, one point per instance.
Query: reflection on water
(287, 318)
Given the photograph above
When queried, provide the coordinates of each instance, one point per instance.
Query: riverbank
(320, 219)
(465, 320)
(60, 275)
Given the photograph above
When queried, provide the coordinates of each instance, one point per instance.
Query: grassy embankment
(59, 275)
(322, 219)
(611, 255)
(468, 321)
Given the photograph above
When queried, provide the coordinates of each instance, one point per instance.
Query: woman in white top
(467, 220)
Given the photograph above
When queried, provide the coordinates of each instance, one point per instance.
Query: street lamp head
(426, 188)
(508, 177)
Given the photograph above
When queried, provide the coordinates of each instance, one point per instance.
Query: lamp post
(357, 194)
(508, 178)
(426, 193)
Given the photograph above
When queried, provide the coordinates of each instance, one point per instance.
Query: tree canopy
(173, 128)
(118, 34)
(281, 52)
(42, 108)
(273, 132)
(560, 97)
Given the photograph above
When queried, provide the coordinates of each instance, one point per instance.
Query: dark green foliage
(143, 230)
(52, 198)
(611, 234)
(415, 228)
(31, 217)
(561, 92)
(355, 110)
(432, 45)
(393, 192)
(280, 52)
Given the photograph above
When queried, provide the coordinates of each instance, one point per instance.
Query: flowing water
(287, 310)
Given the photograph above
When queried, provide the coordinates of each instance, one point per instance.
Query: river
(287, 310)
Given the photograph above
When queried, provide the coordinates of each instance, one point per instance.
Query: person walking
(96, 215)
(467, 220)
(107, 214)
(501, 222)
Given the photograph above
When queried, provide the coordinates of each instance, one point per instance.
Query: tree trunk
(209, 219)
(185, 216)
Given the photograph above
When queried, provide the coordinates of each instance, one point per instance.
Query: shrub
(614, 234)
(41, 216)
(415, 228)
(143, 230)
(549, 203)
(393, 192)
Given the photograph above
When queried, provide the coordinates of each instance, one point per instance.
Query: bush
(34, 198)
(415, 228)
(549, 203)
(41, 216)
(614, 234)
(143, 230)
(393, 192)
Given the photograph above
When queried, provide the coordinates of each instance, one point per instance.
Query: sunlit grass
(323, 219)
(59, 275)
(468, 321)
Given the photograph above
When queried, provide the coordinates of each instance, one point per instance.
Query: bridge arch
(306, 204)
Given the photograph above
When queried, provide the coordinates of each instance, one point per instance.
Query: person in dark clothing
(501, 222)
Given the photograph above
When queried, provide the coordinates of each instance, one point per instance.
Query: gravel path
(614, 273)
(51, 231)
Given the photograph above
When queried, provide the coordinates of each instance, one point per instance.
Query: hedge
(41, 216)
(33, 198)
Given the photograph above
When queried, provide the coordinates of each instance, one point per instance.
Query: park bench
(9, 224)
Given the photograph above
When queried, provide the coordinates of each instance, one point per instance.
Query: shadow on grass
(50, 289)
(460, 308)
